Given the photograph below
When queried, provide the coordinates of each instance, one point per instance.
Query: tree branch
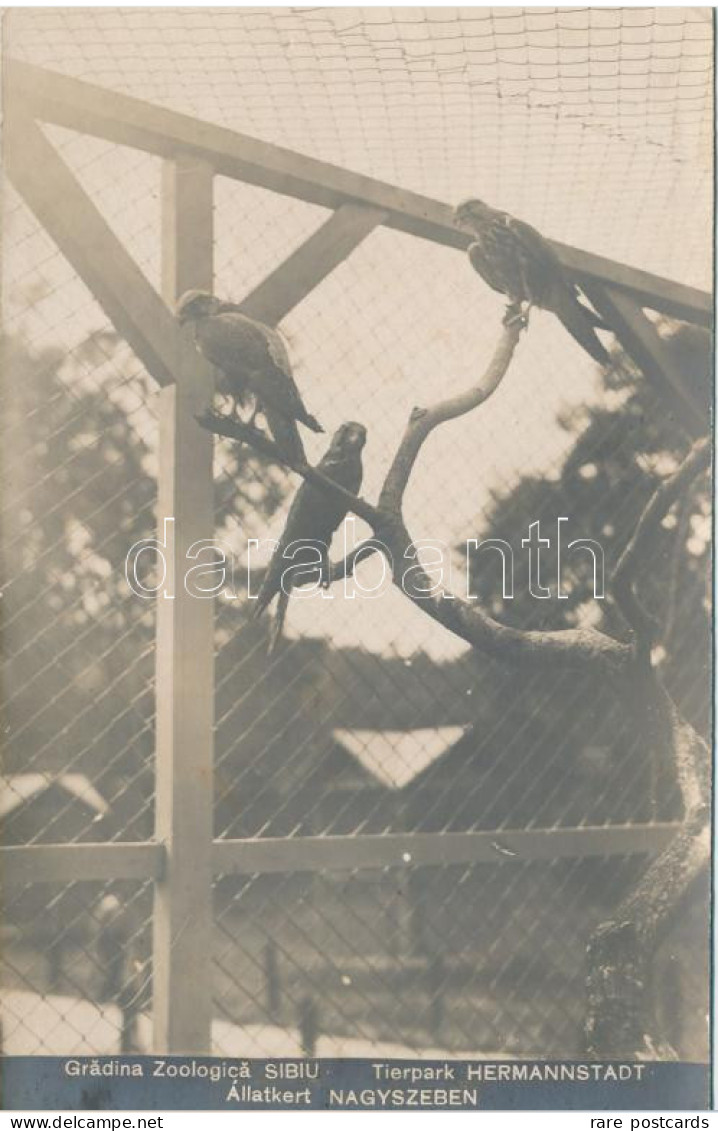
(248, 434)
(639, 547)
(423, 421)
(345, 568)
(466, 620)
(621, 949)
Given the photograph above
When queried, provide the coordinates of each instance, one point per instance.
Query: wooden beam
(687, 304)
(317, 257)
(183, 916)
(396, 850)
(64, 863)
(73, 221)
(67, 863)
(130, 121)
(640, 338)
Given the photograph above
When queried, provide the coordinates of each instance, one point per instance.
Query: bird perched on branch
(254, 362)
(314, 516)
(515, 260)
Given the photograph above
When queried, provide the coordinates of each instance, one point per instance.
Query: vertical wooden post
(183, 917)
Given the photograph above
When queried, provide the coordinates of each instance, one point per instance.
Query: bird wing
(314, 514)
(266, 363)
(275, 342)
(303, 521)
(534, 243)
(550, 287)
(278, 384)
(506, 262)
(255, 356)
(276, 387)
(278, 349)
(283, 428)
(540, 266)
(234, 343)
(488, 267)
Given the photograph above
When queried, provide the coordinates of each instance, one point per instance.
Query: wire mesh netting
(86, 947)
(555, 112)
(592, 124)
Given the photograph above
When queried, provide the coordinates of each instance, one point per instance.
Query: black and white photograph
(355, 557)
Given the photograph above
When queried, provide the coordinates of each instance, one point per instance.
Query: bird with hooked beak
(253, 361)
(515, 260)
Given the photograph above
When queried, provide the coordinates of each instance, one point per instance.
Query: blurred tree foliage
(580, 743)
(624, 446)
(78, 438)
(78, 444)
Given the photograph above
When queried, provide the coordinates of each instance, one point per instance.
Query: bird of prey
(254, 361)
(515, 260)
(314, 516)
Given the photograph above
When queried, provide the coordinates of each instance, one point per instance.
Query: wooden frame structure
(183, 858)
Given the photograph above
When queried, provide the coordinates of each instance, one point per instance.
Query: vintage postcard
(356, 557)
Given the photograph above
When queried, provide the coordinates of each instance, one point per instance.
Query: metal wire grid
(278, 754)
(79, 453)
(366, 350)
(276, 721)
(80, 450)
(555, 113)
(420, 962)
(76, 969)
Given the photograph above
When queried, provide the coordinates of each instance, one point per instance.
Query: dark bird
(314, 516)
(515, 260)
(254, 362)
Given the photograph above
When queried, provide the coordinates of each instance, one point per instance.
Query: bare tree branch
(621, 949)
(636, 553)
(423, 421)
(248, 434)
(345, 568)
(463, 618)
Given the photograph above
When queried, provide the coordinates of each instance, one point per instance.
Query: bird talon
(516, 314)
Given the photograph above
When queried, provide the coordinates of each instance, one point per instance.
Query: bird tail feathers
(286, 434)
(594, 318)
(266, 592)
(312, 423)
(581, 323)
(259, 607)
(264, 598)
(278, 625)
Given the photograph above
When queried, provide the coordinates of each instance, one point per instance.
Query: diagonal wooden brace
(316, 258)
(641, 340)
(72, 219)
